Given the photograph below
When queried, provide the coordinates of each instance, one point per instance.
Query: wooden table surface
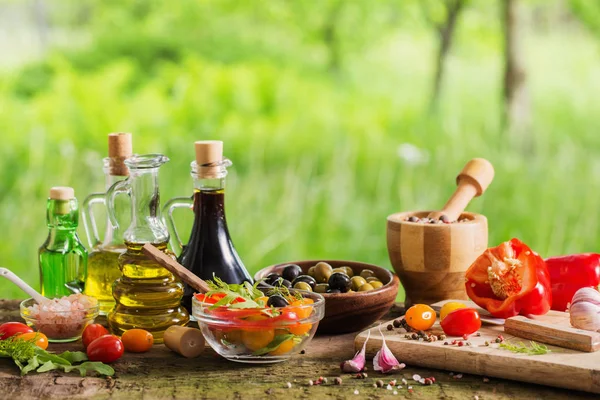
(161, 374)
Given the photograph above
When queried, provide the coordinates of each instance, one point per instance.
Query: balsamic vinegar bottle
(209, 251)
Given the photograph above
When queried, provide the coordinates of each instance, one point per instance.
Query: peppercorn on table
(161, 373)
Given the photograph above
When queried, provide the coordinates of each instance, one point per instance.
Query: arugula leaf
(275, 343)
(28, 357)
(48, 366)
(44, 356)
(73, 356)
(32, 364)
(90, 366)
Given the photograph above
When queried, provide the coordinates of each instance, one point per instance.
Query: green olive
(303, 286)
(367, 273)
(311, 271)
(349, 271)
(376, 284)
(322, 272)
(350, 291)
(340, 270)
(372, 278)
(321, 288)
(356, 282)
(366, 287)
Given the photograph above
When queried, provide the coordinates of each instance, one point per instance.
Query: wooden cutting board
(552, 328)
(561, 367)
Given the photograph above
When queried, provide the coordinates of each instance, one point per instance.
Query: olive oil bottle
(103, 265)
(62, 257)
(209, 251)
(147, 296)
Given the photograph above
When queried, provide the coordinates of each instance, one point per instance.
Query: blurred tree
(588, 12)
(516, 95)
(442, 15)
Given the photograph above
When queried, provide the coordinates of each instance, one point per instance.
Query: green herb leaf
(44, 356)
(275, 343)
(90, 366)
(28, 357)
(32, 364)
(48, 366)
(535, 349)
(73, 356)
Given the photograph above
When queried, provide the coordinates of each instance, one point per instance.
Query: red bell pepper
(570, 273)
(510, 279)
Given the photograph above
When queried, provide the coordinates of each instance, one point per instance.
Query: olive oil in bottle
(210, 251)
(147, 296)
(62, 257)
(103, 265)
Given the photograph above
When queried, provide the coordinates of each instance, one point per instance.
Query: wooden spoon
(472, 181)
(174, 267)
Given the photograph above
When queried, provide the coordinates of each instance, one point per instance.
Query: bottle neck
(112, 179)
(113, 236)
(62, 214)
(208, 184)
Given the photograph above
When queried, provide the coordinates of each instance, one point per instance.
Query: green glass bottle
(62, 257)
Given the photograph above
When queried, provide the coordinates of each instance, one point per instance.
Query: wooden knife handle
(174, 267)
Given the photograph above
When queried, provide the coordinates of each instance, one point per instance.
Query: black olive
(271, 278)
(290, 272)
(339, 281)
(282, 282)
(334, 291)
(277, 300)
(306, 278)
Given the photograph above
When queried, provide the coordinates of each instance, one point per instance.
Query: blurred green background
(327, 109)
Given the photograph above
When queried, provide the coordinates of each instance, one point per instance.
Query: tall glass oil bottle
(62, 257)
(210, 249)
(147, 295)
(103, 265)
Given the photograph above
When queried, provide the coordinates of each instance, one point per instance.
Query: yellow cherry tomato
(283, 348)
(449, 307)
(38, 338)
(137, 340)
(254, 338)
(420, 317)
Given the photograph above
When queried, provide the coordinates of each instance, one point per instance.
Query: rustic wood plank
(162, 374)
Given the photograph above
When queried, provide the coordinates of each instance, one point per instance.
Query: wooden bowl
(431, 259)
(349, 312)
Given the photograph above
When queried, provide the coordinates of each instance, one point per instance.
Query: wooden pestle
(472, 181)
(175, 268)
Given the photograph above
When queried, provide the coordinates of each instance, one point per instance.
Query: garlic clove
(357, 364)
(384, 360)
(585, 315)
(588, 295)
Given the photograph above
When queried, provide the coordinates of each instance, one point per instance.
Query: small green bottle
(62, 257)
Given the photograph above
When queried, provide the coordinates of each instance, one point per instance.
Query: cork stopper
(119, 149)
(208, 152)
(62, 193)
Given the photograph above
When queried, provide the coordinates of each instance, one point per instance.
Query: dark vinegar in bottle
(210, 251)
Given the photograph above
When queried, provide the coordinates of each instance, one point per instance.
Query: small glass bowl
(244, 335)
(59, 326)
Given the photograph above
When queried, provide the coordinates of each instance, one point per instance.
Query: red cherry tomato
(10, 329)
(107, 348)
(463, 321)
(91, 332)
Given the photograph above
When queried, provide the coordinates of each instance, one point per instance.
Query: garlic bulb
(585, 309)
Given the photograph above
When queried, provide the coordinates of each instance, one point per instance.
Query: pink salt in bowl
(61, 320)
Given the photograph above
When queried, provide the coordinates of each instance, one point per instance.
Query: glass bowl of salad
(243, 324)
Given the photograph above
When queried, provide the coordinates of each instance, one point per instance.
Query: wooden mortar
(431, 259)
